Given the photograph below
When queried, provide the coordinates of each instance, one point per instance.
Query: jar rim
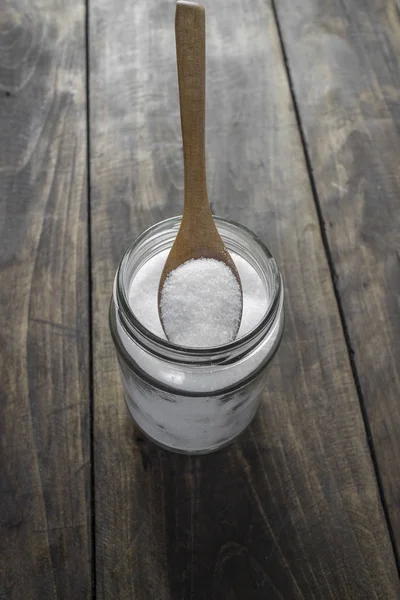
(210, 354)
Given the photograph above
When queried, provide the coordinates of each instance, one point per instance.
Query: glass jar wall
(194, 400)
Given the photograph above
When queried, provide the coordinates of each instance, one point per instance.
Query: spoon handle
(191, 60)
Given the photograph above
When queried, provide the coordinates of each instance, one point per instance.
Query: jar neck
(160, 237)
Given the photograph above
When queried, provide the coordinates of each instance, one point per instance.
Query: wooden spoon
(198, 236)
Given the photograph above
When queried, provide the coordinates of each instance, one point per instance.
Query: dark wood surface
(45, 538)
(294, 508)
(344, 60)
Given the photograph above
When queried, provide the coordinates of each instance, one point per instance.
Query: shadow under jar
(195, 400)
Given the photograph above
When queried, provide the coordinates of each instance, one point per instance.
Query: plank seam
(90, 303)
(334, 278)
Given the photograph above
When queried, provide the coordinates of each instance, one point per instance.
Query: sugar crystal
(144, 289)
(201, 304)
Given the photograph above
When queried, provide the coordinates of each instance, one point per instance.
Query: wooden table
(303, 144)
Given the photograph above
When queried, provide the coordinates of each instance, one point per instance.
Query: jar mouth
(153, 239)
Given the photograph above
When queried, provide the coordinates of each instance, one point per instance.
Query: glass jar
(194, 400)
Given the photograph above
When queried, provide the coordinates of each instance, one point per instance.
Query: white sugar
(201, 304)
(144, 290)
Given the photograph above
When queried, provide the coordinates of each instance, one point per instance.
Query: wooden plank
(45, 543)
(344, 60)
(292, 509)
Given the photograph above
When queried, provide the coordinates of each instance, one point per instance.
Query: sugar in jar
(194, 400)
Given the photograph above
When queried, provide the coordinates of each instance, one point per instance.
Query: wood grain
(44, 391)
(190, 38)
(344, 60)
(292, 509)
